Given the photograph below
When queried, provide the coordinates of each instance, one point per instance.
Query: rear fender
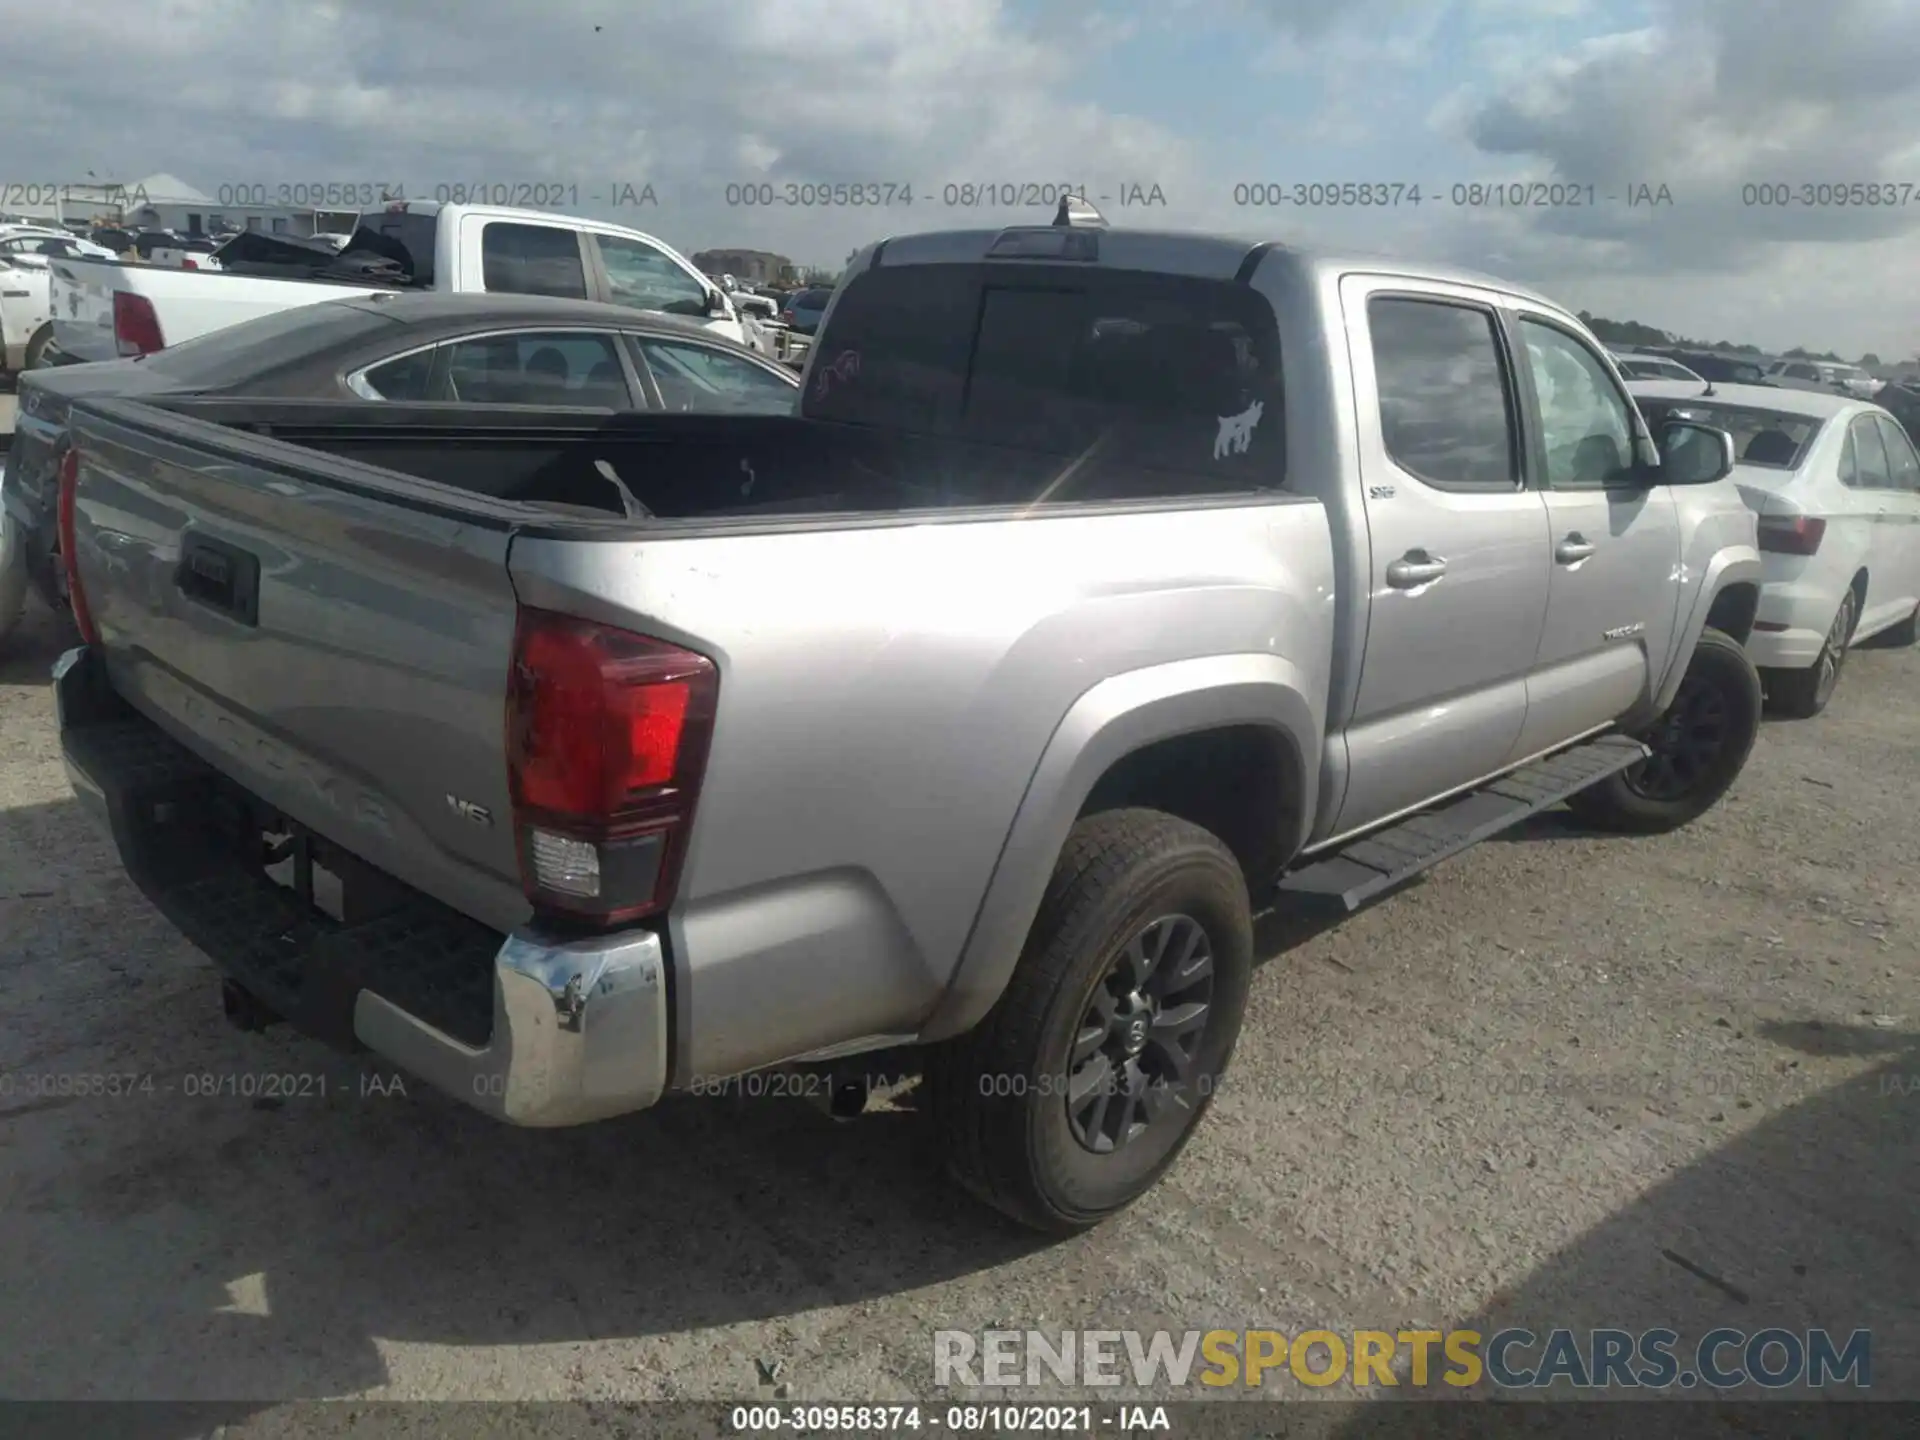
(1107, 723)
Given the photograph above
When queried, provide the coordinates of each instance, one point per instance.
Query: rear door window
(1446, 413)
(539, 367)
(1124, 384)
(532, 260)
(407, 378)
(701, 378)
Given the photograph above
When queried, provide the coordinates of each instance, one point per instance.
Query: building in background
(90, 202)
(750, 267)
(166, 202)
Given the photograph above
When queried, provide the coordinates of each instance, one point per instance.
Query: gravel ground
(1568, 1081)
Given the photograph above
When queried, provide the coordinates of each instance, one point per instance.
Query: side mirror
(1694, 454)
(718, 306)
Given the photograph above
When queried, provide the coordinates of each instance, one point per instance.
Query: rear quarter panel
(887, 695)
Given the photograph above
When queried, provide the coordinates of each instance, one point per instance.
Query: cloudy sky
(1706, 98)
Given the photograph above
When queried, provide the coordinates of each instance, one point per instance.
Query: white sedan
(25, 323)
(1835, 483)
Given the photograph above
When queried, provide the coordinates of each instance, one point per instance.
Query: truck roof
(1211, 256)
(433, 209)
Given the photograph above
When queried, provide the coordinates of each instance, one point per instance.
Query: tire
(36, 348)
(1803, 694)
(1001, 1097)
(1906, 632)
(1717, 708)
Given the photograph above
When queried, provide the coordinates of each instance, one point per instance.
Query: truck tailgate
(186, 303)
(334, 638)
(82, 307)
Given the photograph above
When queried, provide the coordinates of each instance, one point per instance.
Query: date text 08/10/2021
(268, 1087)
(520, 194)
(970, 1419)
(571, 193)
(1466, 194)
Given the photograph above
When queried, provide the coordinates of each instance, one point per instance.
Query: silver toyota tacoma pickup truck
(1105, 589)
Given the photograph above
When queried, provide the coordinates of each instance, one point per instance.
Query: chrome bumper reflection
(579, 1032)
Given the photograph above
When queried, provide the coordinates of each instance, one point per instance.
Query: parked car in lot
(964, 716)
(25, 290)
(1824, 375)
(1901, 399)
(106, 310)
(511, 350)
(1835, 483)
(804, 309)
(33, 244)
(113, 238)
(178, 252)
(1635, 366)
(1720, 369)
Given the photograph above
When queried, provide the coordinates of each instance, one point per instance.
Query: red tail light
(136, 329)
(607, 736)
(1792, 534)
(187, 262)
(69, 554)
(786, 317)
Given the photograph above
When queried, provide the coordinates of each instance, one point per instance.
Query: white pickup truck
(105, 309)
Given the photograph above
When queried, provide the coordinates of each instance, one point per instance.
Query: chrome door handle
(1414, 569)
(1573, 549)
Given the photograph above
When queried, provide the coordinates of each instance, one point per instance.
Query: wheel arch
(1130, 740)
(1734, 608)
(1736, 565)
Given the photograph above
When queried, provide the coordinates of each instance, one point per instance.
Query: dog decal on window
(1236, 431)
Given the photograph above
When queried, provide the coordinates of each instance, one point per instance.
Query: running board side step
(1369, 867)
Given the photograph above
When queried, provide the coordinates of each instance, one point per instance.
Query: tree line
(1632, 333)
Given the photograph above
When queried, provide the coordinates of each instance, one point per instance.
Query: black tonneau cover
(368, 258)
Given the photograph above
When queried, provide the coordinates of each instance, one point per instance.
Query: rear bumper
(1806, 610)
(532, 1028)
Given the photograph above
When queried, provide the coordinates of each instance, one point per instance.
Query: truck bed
(327, 615)
(679, 467)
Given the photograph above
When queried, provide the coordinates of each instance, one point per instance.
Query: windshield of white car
(1770, 439)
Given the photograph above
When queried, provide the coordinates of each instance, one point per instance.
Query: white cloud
(1715, 99)
(1705, 96)
(687, 96)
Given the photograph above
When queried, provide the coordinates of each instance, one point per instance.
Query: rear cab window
(522, 259)
(1062, 383)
